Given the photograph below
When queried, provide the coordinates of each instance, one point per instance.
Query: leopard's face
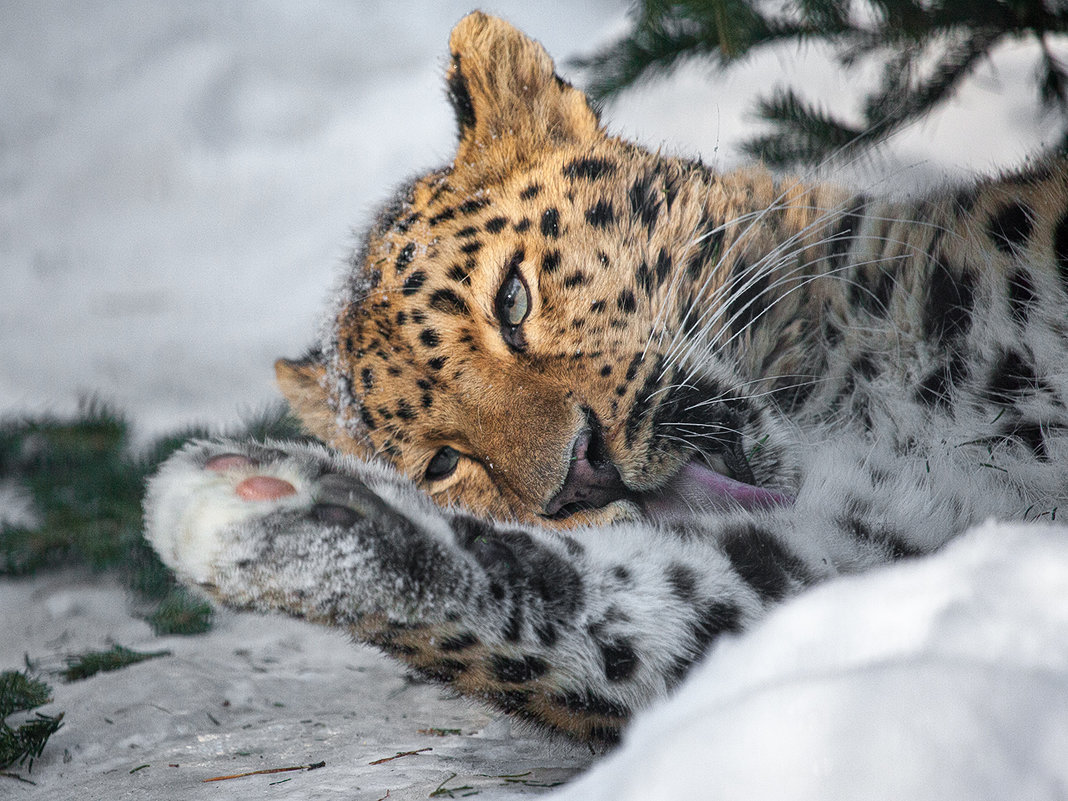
(522, 333)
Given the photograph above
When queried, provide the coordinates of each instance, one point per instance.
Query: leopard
(579, 411)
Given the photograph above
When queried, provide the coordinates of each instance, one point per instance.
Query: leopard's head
(528, 331)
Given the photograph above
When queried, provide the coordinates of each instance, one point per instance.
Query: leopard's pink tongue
(697, 488)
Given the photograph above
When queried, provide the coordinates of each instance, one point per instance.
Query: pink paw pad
(264, 488)
(227, 461)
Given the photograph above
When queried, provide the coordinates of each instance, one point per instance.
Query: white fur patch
(192, 514)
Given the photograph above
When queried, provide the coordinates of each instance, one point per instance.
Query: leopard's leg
(573, 631)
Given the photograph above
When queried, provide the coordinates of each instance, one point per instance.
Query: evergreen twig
(925, 49)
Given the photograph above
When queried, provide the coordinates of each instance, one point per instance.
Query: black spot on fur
(368, 420)
(683, 582)
(747, 289)
(846, 232)
(443, 671)
(965, 200)
(861, 529)
(644, 276)
(589, 169)
(517, 671)
(546, 633)
(606, 371)
(590, 703)
(643, 401)
(403, 226)
(644, 204)
(404, 258)
(550, 223)
(530, 192)
(496, 225)
(620, 660)
(598, 306)
(437, 362)
(472, 247)
(430, 337)
(367, 377)
(632, 368)
(442, 216)
(1032, 436)
(601, 214)
(460, 97)
(1021, 296)
(947, 314)
(577, 278)
(468, 232)
(663, 266)
(448, 302)
(1012, 377)
(550, 261)
(626, 302)
(761, 560)
(404, 410)
(1010, 228)
(471, 206)
(459, 272)
(522, 225)
(715, 619)
(709, 243)
(934, 388)
(864, 365)
(413, 282)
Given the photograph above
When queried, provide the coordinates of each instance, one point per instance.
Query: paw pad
(333, 514)
(227, 461)
(263, 488)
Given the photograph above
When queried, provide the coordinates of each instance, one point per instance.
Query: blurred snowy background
(179, 181)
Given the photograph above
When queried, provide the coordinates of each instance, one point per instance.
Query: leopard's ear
(509, 101)
(302, 383)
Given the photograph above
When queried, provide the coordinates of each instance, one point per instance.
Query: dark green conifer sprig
(925, 51)
(22, 743)
(86, 485)
(82, 666)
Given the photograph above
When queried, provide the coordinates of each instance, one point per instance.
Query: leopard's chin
(696, 487)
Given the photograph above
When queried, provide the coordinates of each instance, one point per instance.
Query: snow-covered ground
(177, 186)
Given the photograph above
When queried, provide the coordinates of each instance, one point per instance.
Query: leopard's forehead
(594, 232)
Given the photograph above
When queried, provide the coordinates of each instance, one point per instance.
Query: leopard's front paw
(206, 492)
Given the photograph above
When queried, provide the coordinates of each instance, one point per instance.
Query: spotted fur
(551, 336)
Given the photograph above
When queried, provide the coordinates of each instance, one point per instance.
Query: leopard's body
(649, 400)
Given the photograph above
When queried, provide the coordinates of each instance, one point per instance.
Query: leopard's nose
(592, 479)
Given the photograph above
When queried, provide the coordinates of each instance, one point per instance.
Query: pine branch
(805, 133)
(903, 35)
(20, 692)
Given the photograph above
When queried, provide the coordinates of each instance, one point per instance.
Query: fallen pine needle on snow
(265, 771)
(400, 754)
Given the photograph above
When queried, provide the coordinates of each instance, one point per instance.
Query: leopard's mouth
(720, 481)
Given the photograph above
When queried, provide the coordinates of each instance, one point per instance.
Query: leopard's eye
(442, 464)
(513, 305)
